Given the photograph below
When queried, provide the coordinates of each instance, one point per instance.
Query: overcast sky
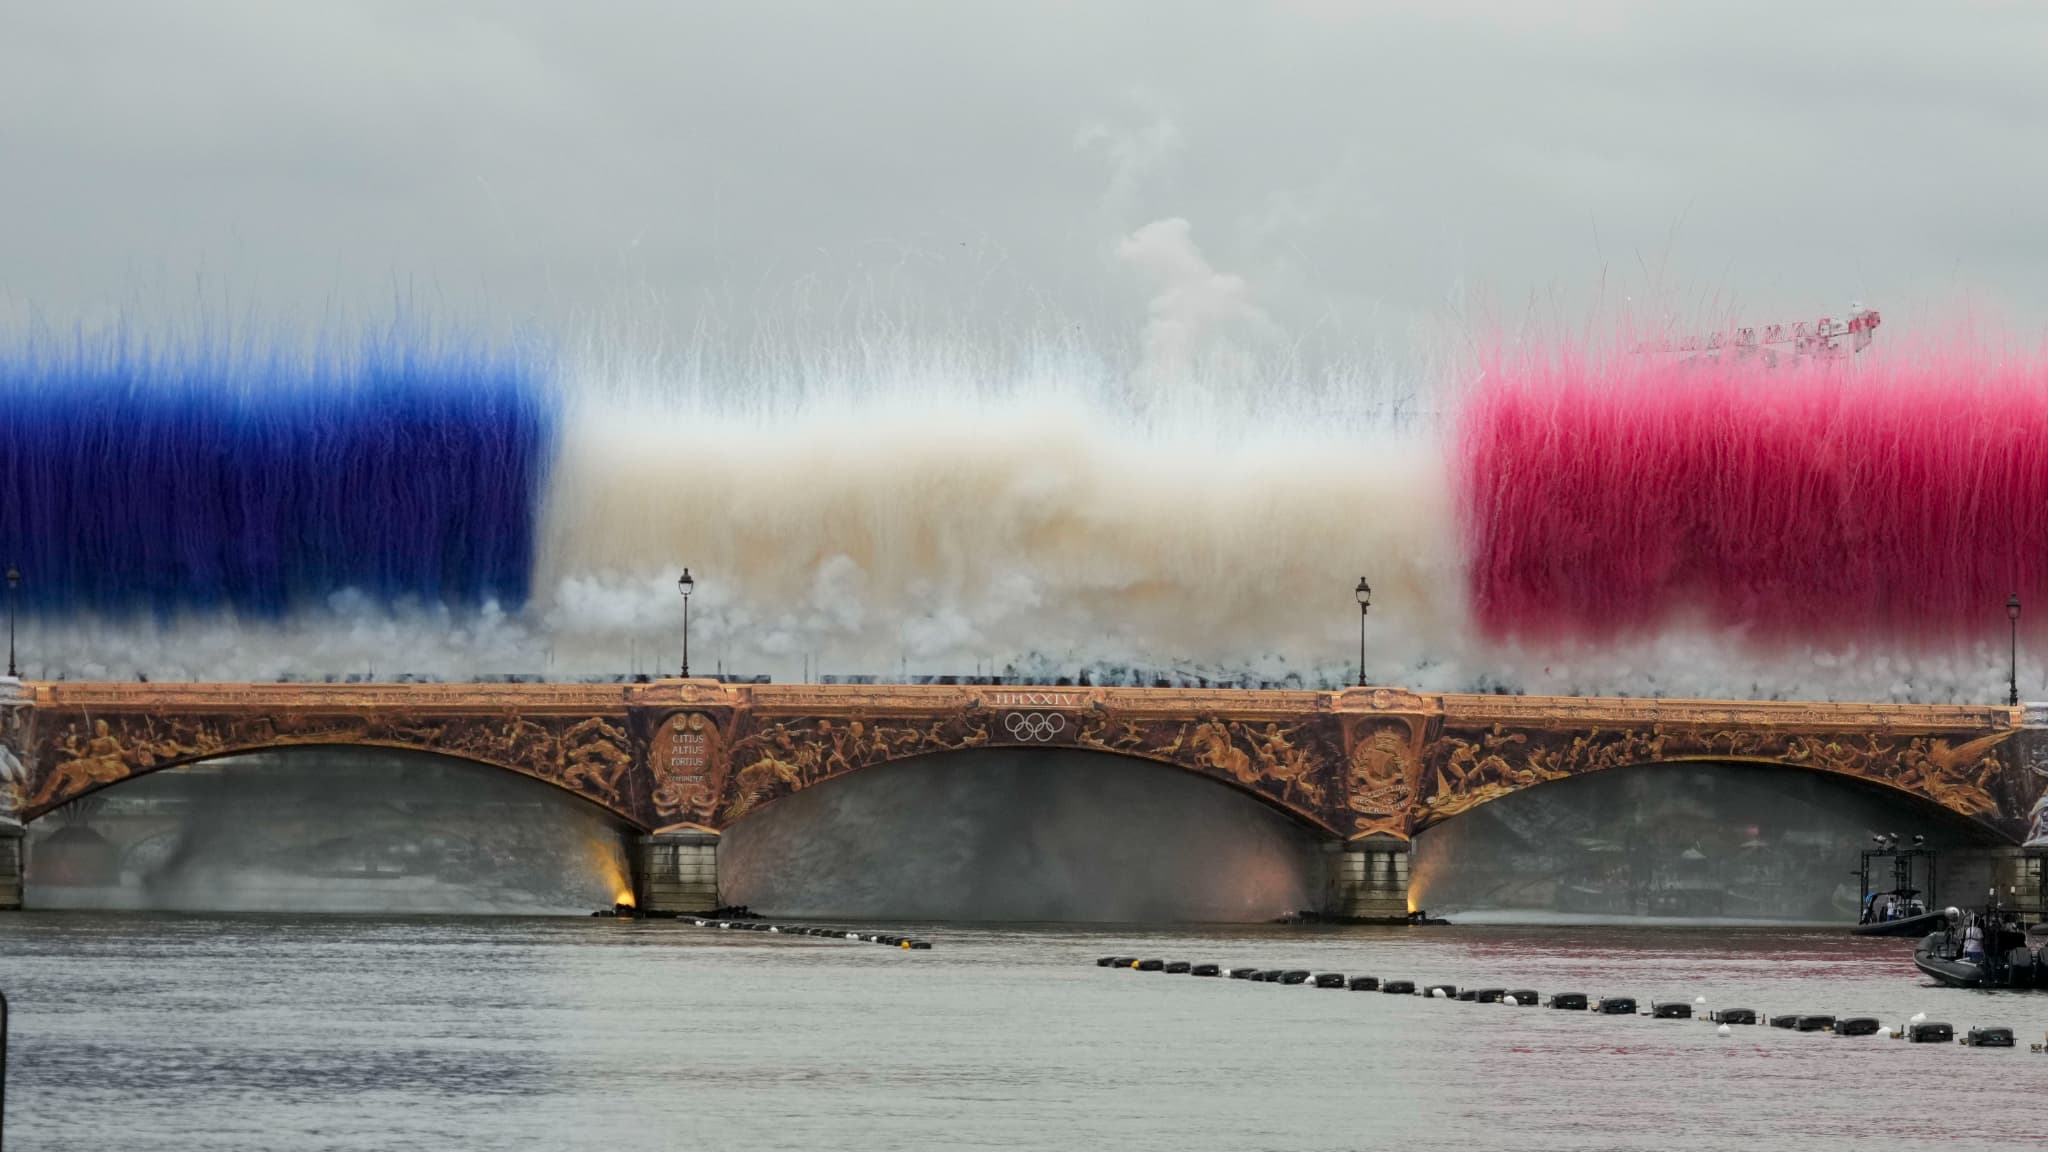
(1360, 166)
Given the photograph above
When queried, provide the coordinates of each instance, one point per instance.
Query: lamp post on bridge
(2012, 614)
(1364, 593)
(685, 585)
(13, 582)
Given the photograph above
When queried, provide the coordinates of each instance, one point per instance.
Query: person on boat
(1973, 943)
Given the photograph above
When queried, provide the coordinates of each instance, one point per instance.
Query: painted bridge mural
(1357, 763)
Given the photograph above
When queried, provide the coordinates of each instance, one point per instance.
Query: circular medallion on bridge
(1034, 727)
(1382, 698)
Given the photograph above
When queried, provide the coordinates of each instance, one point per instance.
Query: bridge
(682, 760)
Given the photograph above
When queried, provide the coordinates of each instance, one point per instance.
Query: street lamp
(2012, 613)
(1364, 592)
(13, 582)
(685, 585)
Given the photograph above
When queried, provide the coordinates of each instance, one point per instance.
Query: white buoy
(1511, 1002)
(1724, 1030)
(1436, 993)
(1699, 999)
(1918, 1018)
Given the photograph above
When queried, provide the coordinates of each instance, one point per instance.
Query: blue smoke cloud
(139, 478)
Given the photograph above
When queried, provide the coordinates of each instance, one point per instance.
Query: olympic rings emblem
(1038, 726)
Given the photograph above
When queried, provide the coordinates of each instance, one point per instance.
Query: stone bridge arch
(82, 740)
(1298, 814)
(712, 770)
(1986, 820)
(1964, 761)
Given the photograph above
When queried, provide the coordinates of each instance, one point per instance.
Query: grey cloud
(776, 164)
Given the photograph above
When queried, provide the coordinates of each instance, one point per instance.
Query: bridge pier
(12, 837)
(2025, 881)
(678, 872)
(1369, 879)
(1966, 876)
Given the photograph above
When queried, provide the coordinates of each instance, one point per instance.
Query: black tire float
(1927, 1032)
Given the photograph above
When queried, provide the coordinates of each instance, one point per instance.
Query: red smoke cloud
(1904, 499)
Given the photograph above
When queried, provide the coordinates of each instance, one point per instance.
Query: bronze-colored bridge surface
(680, 754)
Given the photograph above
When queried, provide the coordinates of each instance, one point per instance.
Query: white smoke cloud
(1134, 155)
(1197, 314)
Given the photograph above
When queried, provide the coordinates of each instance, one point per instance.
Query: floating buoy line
(740, 920)
(1919, 1029)
(891, 939)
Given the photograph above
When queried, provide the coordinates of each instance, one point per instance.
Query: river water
(279, 1032)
